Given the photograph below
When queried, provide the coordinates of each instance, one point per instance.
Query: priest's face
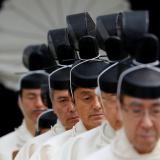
(31, 104)
(88, 107)
(110, 107)
(64, 108)
(141, 119)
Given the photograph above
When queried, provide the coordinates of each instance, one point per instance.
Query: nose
(71, 108)
(96, 104)
(39, 103)
(146, 121)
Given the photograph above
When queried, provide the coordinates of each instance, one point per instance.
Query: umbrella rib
(46, 13)
(114, 7)
(29, 18)
(60, 10)
(10, 50)
(19, 33)
(90, 4)
(73, 5)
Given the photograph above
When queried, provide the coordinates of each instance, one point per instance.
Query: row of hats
(119, 35)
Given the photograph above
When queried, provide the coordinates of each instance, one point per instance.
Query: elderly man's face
(88, 107)
(141, 120)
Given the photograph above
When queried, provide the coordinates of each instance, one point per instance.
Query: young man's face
(64, 108)
(109, 103)
(88, 107)
(31, 104)
(141, 120)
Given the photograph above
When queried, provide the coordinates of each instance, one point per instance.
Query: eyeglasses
(139, 112)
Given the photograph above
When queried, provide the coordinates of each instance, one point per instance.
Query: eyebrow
(156, 104)
(109, 96)
(62, 97)
(86, 92)
(31, 94)
(132, 104)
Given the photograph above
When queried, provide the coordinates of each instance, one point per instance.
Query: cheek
(59, 109)
(55, 110)
(110, 111)
(158, 129)
(112, 114)
(104, 104)
(82, 110)
(27, 106)
(106, 112)
(27, 110)
(112, 118)
(130, 127)
(61, 114)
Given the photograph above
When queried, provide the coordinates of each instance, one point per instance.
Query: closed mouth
(96, 115)
(73, 118)
(147, 136)
(38, 111)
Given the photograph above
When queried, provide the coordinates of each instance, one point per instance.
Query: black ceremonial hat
(59, 45)
(88, 47)
(106, 27)
(141, 82)
(108, 79)
(85, 73)
(147, 50)
(60, 78)
(53, 68)
(46, 119)
(37, 57)
(132, 25)
(80, 25)
(33, 80)
(115, 49)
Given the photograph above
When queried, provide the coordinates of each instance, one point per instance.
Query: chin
(118, 125)
(97, 118)
(73, 122)
(146, 149)
(98, 123)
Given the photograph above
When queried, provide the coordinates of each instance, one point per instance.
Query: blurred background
(25, 22)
